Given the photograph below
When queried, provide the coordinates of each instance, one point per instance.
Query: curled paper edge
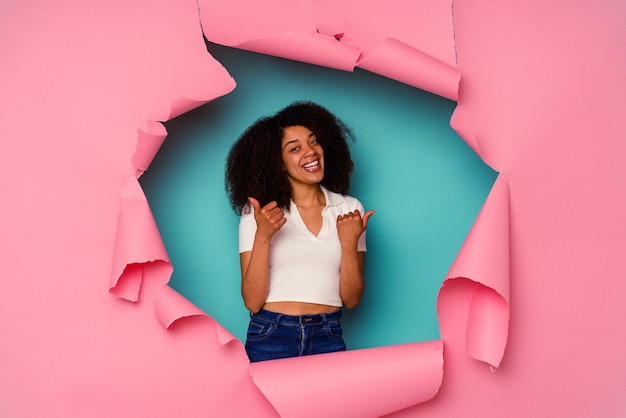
(467, 134)
(485, 252)
(149, 142)
(306, 47)
(185, 104)
(484, 260)
(487, 326)
(401, 62)
(171, 307)
(137, 242)
(407, 375)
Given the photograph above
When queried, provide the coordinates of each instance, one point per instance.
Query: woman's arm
(351, 284)
(255, 263)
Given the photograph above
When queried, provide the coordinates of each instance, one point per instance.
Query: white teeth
(311, 164)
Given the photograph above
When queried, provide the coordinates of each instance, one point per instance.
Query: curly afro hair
(255, 168)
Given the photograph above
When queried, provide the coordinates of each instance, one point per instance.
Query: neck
(308, 196)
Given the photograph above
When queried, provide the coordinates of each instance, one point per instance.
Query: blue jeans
(273, 335)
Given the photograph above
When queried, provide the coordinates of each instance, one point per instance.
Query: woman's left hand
(350, 226)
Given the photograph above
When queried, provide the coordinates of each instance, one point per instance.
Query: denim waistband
(296, 320)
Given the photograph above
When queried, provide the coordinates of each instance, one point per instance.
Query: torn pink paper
(237, 21)
(184, 104)
(418, 51)
(546, 96)
(148, 144)
(390, 57)
(138, 242)
(484, 259)
(78, 84)
(399, 61)
(361, 383)
(171, 306)
(289, 34)
(487, 326)
(311, 48)
(484, 255)
(366, 25)
(467, 134)
(346, 35)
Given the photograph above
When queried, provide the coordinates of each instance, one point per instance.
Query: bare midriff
(299, 308)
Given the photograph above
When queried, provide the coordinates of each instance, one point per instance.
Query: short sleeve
(247, 230)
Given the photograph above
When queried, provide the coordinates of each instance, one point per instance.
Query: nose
(309, 150)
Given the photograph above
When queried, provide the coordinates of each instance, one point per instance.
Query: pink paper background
(90, 327)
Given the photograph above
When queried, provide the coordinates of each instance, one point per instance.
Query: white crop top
(305, 267)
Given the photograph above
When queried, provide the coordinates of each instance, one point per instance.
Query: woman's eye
(294, 149)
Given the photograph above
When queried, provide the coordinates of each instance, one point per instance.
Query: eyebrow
(296, 140)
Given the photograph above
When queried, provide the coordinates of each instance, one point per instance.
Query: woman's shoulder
(344, 200)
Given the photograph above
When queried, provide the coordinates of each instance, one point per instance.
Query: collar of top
(332, 199)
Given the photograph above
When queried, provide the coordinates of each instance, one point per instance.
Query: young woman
(301, 238)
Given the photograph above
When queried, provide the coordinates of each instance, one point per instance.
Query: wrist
(349, 246)
(262, 239)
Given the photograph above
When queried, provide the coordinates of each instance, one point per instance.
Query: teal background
(425, 183)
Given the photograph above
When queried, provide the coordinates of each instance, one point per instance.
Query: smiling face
(303, 156)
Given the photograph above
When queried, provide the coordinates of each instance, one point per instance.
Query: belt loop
(278, 318)
(324, 320)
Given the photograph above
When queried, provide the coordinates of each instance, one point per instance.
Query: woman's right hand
(255, 264)
(269, 218)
